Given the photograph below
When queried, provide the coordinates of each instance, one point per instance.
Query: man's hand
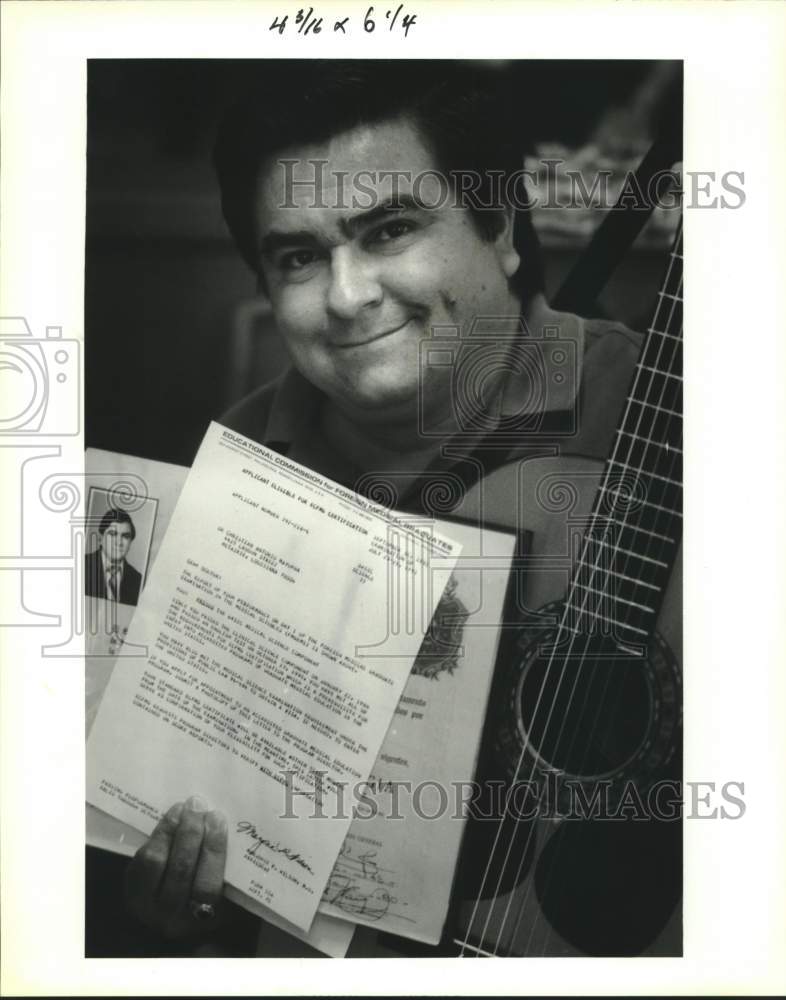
(177, 876)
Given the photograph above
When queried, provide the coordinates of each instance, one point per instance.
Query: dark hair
(468, 114)
(114, 516)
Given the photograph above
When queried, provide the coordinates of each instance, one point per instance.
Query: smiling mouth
(372, 339)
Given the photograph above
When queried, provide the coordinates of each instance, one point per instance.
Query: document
(396, 866)
(136, 484)
(278, 629)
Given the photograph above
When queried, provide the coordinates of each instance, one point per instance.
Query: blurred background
(174, 330)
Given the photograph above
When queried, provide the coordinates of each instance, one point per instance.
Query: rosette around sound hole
(588, 708)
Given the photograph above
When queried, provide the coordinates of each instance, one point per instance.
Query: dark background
(174, 331)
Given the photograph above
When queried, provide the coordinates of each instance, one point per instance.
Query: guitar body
(580, 887)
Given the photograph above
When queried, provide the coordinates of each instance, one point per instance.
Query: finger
(175, 889)
(148, 865)
(209, 876)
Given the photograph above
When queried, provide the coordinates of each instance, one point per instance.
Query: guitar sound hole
(586, 716)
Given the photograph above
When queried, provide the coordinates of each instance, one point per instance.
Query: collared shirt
(564, 389)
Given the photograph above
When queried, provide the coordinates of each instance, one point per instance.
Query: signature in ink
(348, 886)
(244, 826)
(345, 893)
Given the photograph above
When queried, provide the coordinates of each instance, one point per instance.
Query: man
(334, 182)
(108, 574)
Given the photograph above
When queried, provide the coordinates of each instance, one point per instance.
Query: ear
(503, 243)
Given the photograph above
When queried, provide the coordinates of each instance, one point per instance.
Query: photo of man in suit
(108, 574)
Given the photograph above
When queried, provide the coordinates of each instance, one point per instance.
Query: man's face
(355, 289)
(116, 541)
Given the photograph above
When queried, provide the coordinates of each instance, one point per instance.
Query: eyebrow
(278, 239)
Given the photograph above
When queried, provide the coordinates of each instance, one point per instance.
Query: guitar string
(594, 667)
(518, 767)
(555, 867)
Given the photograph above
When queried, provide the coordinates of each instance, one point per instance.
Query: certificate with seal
(276, 632)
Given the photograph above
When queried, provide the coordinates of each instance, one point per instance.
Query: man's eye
(392, 231)
(296, 260)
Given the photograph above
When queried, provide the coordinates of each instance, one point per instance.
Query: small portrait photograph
(117, 552)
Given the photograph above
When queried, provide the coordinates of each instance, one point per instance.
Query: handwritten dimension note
(307, 21)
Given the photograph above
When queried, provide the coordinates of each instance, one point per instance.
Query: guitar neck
(634, 530)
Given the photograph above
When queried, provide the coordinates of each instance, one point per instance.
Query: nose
(354, 284)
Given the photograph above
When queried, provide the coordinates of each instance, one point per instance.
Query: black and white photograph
(421, 642)
(458, 305)
(118, 543)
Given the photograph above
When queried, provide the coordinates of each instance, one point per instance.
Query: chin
(381, 396)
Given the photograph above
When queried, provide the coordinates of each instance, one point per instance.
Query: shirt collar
(545, 379)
